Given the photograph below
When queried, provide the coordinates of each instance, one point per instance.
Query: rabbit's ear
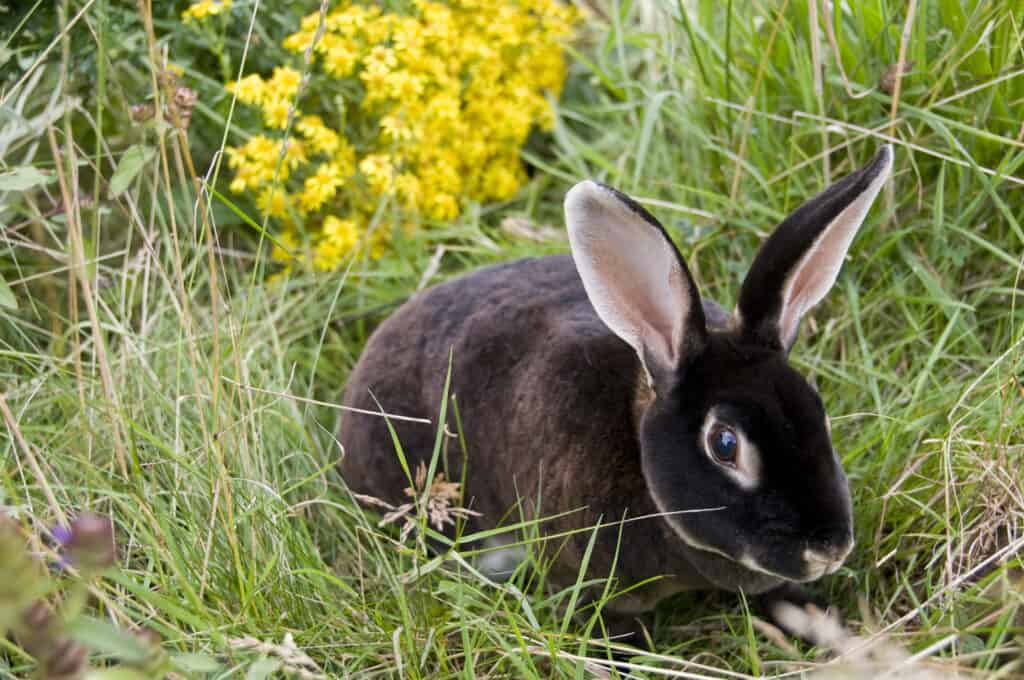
(635, 278)
(800, 261)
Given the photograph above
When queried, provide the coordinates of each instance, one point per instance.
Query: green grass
(183, 396)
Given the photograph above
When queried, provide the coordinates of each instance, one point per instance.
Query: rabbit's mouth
(812, 564)
(753, 573)
(754, 577)
(819, 563)
(723, 570)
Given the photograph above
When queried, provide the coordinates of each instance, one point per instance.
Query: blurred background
(207, 207)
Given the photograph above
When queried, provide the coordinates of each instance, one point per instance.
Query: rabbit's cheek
(729, 574)
(780, 557)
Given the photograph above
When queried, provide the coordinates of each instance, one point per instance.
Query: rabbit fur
(602, 383)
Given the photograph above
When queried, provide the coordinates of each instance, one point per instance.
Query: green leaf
(248, 221)
(116, 673)
(23, 178)
(132, 162)
(262, 668)
(7, 298)
(106, 638)
(195, 663)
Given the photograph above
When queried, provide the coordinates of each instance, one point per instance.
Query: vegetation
(155, 372)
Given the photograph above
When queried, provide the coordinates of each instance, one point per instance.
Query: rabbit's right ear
(635, 278)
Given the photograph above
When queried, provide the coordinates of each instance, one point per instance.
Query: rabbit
(602, 383)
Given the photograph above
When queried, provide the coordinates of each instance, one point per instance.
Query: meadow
(173, 349)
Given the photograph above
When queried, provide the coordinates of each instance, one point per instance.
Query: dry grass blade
(438, 500)
(15, 431)
(286, 395)
(863, 658)
(294, 661)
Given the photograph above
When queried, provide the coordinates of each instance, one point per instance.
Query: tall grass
(153, 377)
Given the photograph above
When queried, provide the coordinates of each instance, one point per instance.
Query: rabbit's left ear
(800, 261)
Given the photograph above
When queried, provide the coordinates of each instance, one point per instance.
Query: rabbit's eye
(724, 445)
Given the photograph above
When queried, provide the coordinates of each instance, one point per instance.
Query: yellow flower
(239, 183)
(442, 173)
(350, 20)
(259, 160)
(340, 61)
(198, 11)
(343, 232)
(299, 42)
(546, 117)
(310, 22)
(394, 129)
(321, 138)
(408, 37)
(321, 187)
(273, 201)
(442, 206)
(402, 85)
(409, 190)
(275, 112)
(285, 82)
(337, 239)
(295, 154)
(501, 180)
(249, 90)
(379, 171)
(379, 241)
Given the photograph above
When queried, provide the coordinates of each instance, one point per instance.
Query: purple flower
(61, 534)
(88, 543)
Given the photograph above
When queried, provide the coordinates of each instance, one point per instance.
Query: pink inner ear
(816, 275)
(641, 286)
(818, 269)
(631, 273)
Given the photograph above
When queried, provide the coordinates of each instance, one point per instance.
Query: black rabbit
(601, 382)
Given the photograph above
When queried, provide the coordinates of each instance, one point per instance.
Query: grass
(155, 377)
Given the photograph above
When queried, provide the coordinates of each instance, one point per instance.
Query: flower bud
(141, 113)
(38, 629)
(183, 101)
(156, 660)
(88, 543)
(66, 661)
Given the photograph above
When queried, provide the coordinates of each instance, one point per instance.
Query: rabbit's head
(736, 448)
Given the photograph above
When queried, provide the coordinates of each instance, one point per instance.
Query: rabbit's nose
(827, 552)
(832, 540)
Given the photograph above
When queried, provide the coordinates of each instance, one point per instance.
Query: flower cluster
(198, 11)
(435, 106)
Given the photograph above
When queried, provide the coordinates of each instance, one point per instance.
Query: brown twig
(30, 456)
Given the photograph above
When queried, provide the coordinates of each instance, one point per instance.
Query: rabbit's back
(543, 390)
